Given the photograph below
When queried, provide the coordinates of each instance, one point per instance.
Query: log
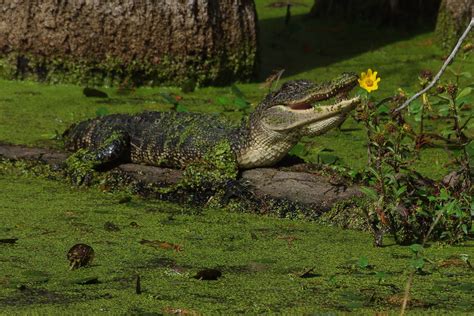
(306, 189)
(95, 42)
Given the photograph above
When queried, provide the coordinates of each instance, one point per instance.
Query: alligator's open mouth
(317, 96)
(314, 101)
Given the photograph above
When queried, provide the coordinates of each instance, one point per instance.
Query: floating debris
(80, 255)
(208, 275)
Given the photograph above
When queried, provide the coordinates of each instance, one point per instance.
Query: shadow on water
(306, 43)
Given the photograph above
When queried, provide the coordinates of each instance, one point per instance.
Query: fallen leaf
(161, 244)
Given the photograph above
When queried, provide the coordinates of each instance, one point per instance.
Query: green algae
(217, 166)
(262, 259)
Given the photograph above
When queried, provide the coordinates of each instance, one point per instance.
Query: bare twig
(409, 283)
(441, 71)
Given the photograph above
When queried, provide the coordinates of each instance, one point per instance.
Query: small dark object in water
(88, 281)
(208, 274)
(80, 255)
(309, 274)
(8, 241)
(94, 93)
(125, 199)
(138, 286)
(111, 227)
(134, 225)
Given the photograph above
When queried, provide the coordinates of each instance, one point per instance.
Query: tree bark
(401, 13)
(453, 18)
(145, 42)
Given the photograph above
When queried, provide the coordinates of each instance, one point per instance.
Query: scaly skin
(177, 139)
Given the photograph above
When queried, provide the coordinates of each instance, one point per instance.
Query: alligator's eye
(300, 106)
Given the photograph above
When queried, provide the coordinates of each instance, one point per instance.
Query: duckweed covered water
(267, 264)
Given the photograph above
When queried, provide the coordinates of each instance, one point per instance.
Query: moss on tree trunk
(453, 18)
(142, 42)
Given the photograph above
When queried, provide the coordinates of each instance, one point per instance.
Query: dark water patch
(9, 241)
(208, 274)
(252, 267)
(35, 276)
(308, 274)
(111, 227)
(94, 93)
(467, 287)
(28, 296)
(27, 92)
(88, 281)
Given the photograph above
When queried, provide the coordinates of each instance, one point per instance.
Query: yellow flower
(369, 80)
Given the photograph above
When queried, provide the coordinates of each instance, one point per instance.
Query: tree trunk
(453, 18)
(144, 42)
(402, 13)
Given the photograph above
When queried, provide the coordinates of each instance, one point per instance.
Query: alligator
(176, 139)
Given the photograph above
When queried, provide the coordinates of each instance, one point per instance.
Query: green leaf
(168, 98)
(102, 111)
(418, 263)
(443, 195)
(241, 104)
(181, 108)
(381, 275)
(328, 158)
(223, 101)
(464, 92)
(363, 262)
(298, 150)
(383, 109)
(451, 70)
(464, 257)
(415, 107)
(444, 110)
(371, 193)
(416, 248)
(237, 92)
(401, 190)
(466, 74)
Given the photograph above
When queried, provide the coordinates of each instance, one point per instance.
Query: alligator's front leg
(106, 151)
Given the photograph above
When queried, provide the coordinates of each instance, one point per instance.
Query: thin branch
(406, 295)
(441, 71)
